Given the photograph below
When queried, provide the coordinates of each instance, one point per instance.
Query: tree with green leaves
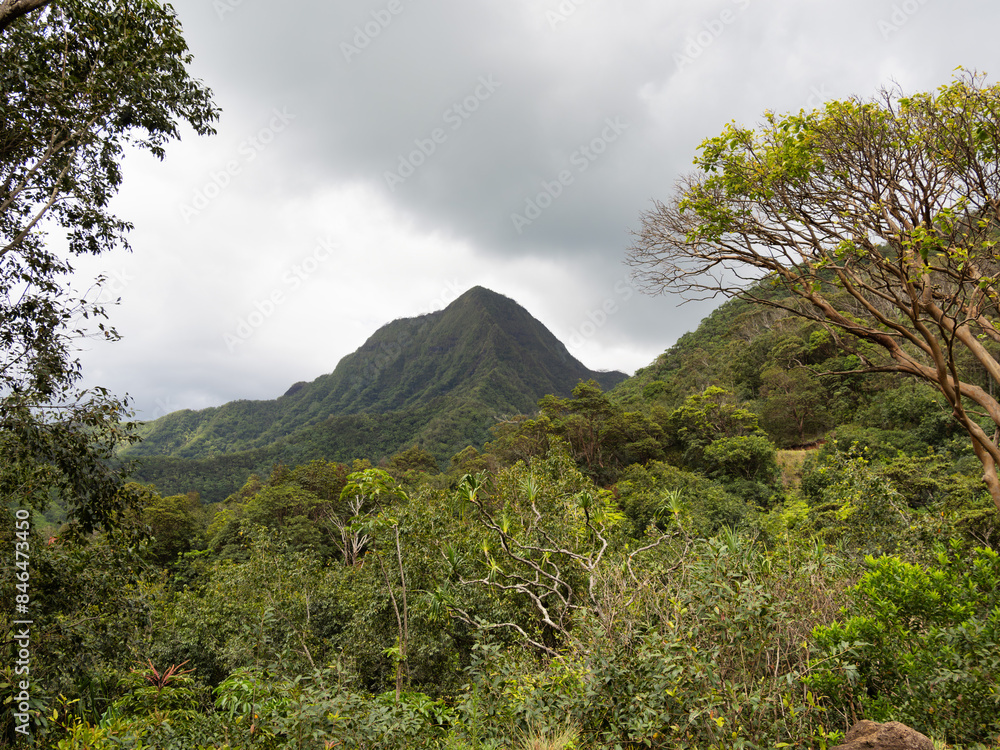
(80, 81)
(377, 489)
(175, 524)
(602, 436)
(794, 404)
(704, 418)
(878, 219)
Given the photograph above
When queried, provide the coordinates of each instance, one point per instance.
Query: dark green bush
(919, 645)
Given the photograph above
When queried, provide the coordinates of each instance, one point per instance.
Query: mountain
(438, 380)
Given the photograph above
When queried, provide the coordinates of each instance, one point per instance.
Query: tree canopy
(879, 217)
(79, 82)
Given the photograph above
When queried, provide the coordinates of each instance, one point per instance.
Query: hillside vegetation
(643, 567)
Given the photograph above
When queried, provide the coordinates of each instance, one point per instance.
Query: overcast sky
(375, 159)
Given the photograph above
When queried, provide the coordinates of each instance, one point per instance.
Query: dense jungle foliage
(660, 566)
(750, 544)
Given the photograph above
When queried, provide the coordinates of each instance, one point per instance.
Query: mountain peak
(480, 293)
(481, 298)
(438, 379)
(483, 345)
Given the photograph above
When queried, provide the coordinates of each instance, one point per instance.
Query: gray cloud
(484, 112)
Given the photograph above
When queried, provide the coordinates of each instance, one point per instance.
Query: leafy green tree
(325, 479)
(174, 523)
(304, 506)
(519, 438)
(67, 458)
(794, 404)
(914, 407)
(749, 457)
(858, 504)
(412, 461)
(579, 420)
(632, 438)
(89, 606)
(547, 532)
(261, 610)
(704, 418)
(79, 82)
(377, 490)
(703, 507)
(876, 218)
(466, 461)
(602, 436)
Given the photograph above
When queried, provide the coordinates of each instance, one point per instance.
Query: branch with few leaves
(551, 575)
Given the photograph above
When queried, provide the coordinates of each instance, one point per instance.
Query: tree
(794, 403)
(602, 436)
(412, 461)
(174, 523)
(704, 418)
(876, 218)
(11, 10)
(548, 532)
(747, 457)
(580, 420)
(376, 488)
(79, 81)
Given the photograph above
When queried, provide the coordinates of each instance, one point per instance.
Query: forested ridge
(439, 380)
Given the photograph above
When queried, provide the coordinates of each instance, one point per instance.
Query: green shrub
(705, 654)
(709, 506)
(856, 504)
(923, 647)
(747, 457)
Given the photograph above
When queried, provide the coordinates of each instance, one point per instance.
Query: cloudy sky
(376, 158)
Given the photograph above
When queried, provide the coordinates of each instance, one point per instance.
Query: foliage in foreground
(920, 645)
(407, 622)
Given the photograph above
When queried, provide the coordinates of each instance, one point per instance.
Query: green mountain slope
(438, 380)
